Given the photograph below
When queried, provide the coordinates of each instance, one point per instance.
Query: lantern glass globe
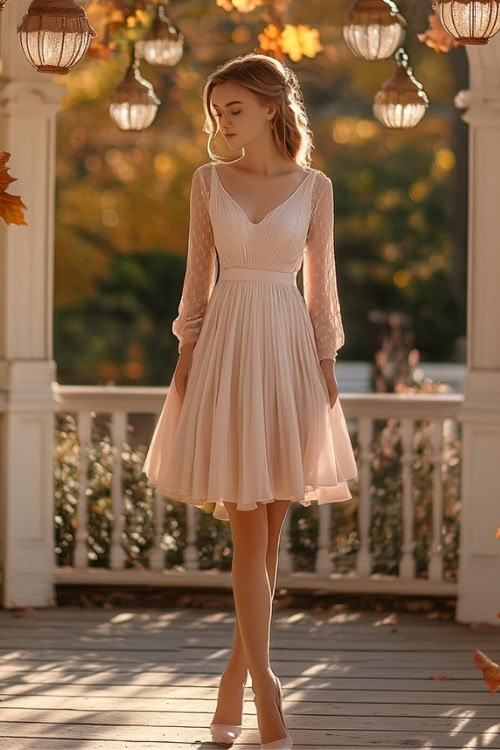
(160, 51)
(373, 41)
(397, 115)
(129, 116)
(474, 22)
(54, 35)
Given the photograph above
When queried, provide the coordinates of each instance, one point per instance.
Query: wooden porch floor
(147, 679)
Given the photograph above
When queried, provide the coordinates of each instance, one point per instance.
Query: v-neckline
(257, 223)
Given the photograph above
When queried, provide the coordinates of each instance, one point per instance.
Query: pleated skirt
(255, 423)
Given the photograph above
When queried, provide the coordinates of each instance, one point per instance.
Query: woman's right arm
(198, 280)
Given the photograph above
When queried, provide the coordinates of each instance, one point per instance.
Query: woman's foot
(227, 721)
(269, 716)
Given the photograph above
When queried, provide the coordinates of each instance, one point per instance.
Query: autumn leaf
(300, 40)
(498, 533)
(436, 37)
(442, 677)
(246, 6)
(225, 5)
(10, 205)
(491, 671)
(270, 41)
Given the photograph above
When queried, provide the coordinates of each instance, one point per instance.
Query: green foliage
(124, 332)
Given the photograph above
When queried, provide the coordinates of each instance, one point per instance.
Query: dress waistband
(257, 274)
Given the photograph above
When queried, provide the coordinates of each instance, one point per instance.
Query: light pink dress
(255, 423)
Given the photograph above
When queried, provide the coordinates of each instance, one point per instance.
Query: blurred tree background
(122, 197)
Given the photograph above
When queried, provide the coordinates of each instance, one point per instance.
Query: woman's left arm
(320, 281)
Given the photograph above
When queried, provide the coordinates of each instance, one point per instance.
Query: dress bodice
(299, 231)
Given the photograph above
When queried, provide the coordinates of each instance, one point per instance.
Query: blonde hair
(271, 81)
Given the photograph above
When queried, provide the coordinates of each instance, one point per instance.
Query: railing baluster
(190, 551)
(118, 435)
(81, 559)
(323, 562)
(157, 554)
(436, 554)
(365, 437)
(407, 564)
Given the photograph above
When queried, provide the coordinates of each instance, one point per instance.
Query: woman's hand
(183, 368)
(327, 366)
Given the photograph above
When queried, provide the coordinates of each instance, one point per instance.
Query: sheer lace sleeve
(319, 273)
(200, 264)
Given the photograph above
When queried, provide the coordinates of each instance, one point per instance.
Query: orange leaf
(436, 37)
(498, 533)
(442, 677)
(491, 671)
(300, 40)
(270, 41)
(10, 205)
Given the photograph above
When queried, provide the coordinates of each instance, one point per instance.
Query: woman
(254, 420)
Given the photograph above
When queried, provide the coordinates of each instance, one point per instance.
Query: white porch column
(479, 573)
(28, 106)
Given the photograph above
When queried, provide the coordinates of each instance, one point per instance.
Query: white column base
(479, 568)
(27, 483)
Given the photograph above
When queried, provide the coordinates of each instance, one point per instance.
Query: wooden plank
(139, 697)
(26, 672)
(202, 720)
(374, 680)
(307, 669)
(304, 685)
(313, 738)
(166, 709)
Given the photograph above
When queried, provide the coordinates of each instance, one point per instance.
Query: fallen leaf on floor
(491, 670)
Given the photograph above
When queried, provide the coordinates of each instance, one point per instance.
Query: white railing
(362, 411)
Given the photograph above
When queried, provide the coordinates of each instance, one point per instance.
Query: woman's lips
(230, 135)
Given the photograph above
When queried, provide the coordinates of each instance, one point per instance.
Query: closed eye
(233, 113)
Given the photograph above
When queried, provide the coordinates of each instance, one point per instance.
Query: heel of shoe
(286, 743)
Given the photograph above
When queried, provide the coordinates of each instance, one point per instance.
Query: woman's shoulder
(320, 177)
(202, 170)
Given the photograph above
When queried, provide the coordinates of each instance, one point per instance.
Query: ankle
(264, 681)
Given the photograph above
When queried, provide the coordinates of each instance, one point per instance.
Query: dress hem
(221, 514)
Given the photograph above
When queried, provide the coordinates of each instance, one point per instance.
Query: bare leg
(234, 677)
(252, 594)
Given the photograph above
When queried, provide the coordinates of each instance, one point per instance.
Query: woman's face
(241, 117)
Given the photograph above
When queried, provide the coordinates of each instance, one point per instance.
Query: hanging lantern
(373, 29)
(54, 35)
(401, 102)
(163, 45)
(134, 104)
(469, 21)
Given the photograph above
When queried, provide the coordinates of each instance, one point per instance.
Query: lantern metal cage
(469, 21)
(54, 35)
(374, 29)
(401, 101)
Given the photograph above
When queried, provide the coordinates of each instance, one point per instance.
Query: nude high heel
(286, 743)
(225, 734)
